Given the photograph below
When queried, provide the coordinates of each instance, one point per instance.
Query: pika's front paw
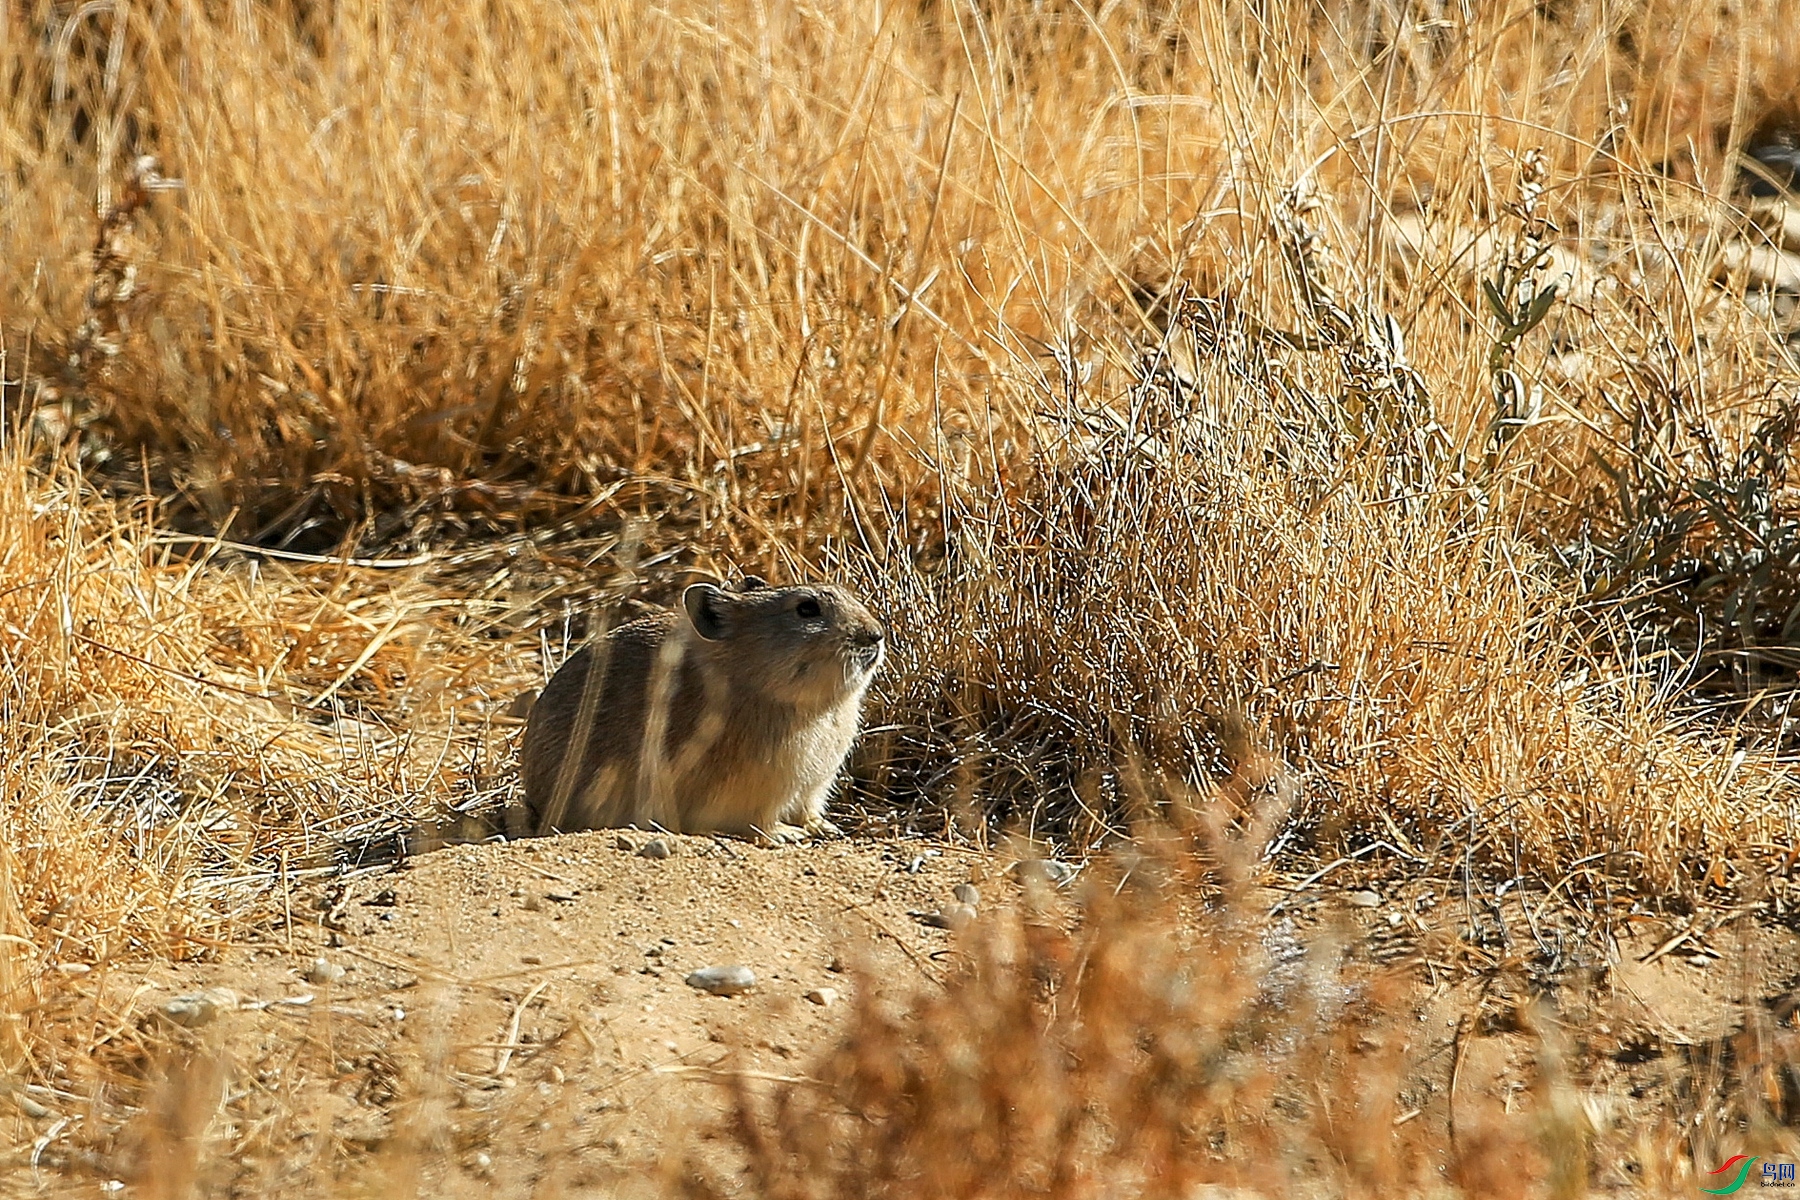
(783, 834)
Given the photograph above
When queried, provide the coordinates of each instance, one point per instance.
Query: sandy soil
(513, 1019)
(534, 995)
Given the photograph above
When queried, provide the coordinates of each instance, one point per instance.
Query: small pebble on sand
(951, 916)
(323, 970)
(200, 1008)
(1045, 870)
(723, 981)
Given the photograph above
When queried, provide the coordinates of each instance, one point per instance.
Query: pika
(732, 715)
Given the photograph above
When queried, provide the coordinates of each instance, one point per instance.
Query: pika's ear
(705, 606)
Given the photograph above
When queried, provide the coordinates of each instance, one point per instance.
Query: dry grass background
(1135, 358)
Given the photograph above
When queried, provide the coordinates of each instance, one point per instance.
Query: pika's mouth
(865, 650)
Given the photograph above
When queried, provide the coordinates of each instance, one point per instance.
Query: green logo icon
(1748, 1160)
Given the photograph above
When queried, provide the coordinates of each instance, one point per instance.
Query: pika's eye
(808, 608)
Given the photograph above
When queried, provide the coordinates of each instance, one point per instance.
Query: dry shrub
(1157, 1034)
(1141, 1051)
(1205, 565)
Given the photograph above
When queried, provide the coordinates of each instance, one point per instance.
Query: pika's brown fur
(731, 715)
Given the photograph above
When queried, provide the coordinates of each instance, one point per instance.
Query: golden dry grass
(170, 749)
(1064, 329)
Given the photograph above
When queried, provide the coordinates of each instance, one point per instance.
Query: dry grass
(182, 742)
(1412, 670)
(1069, 331)
(1126, 1058)
(1164, 1046)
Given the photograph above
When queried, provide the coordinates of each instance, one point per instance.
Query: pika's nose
(869, 635)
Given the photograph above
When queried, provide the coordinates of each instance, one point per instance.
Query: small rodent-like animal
(733, 715)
